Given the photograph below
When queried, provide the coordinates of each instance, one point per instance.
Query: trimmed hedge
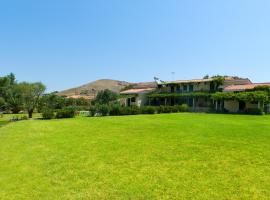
(47, 113)
(117, 110)
(66, 113)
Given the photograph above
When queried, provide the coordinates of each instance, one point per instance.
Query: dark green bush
(254, 111)
(133, 110)
(104, 110)
(125, 111)
(167, 109)
(66, 113)
(115, 110)
(24, 117)
(93, 110)
(183, 108)
(148, 110)
(47, 113)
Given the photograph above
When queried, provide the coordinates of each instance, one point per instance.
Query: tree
(105, 97)
(31, 93)
(2, 104)
(206, 76)
(14, 98)
(10, 93)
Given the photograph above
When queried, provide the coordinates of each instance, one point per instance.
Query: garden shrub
(115, 110)
(66, 113)
(24, 117)
(104, 110)
(135, 110)
(93, 110)
(167, 109)
(47, 113)
(183, 108)
(254, 111)
(148, 110)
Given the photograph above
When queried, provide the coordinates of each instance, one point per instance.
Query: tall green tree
(31, 94)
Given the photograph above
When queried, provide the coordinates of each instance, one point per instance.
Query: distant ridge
(92, 88)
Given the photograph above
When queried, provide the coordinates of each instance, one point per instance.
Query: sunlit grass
(170, 156)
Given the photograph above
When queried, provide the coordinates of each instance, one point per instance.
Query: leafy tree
(31, 93)
(2, 104)
(105, 97)
(14, 99)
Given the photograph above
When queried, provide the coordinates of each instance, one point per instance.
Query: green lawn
(169, 156)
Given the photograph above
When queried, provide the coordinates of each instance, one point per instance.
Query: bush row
(68, 112)
(115, 110)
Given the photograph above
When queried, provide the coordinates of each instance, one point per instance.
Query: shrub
(47, 113)
(148, 110)
(254, 111)
(24, 117)
(125, 111)
(133, 110)
(175, 109)
(167, 109)
(183, 108)
(93, 110)
(115, 110)
(65, 113)
(104, 110)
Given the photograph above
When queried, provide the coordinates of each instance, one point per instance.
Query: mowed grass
(169, 156)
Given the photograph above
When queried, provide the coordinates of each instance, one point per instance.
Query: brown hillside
(92, 88)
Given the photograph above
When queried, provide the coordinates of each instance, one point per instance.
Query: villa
(201, 95)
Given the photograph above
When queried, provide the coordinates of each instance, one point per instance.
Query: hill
(92, 88)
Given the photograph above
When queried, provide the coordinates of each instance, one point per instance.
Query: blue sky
(65, 43)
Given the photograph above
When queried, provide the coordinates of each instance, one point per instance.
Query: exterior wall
(197, 87)
(231, 106)
(141, 100)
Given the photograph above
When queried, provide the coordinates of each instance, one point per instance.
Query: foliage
(105, 97)
(148, 110)
(55, 102)
(104, 110)
(2, 103)
(48, 113)
(254, 111)
(115, 110)
(256, 96)
(68, 112)
(93, 110)
(30, 94)
(218, 81)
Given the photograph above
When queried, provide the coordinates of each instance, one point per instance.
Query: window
(185, 88)
(133, 99)
(178, 88)
(172, 89)
(191, 88)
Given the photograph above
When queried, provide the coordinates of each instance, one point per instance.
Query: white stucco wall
(141, 100)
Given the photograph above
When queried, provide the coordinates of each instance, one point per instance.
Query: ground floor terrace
(203, 102)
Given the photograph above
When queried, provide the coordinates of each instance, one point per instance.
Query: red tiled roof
(137, 91)
(239, 88)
